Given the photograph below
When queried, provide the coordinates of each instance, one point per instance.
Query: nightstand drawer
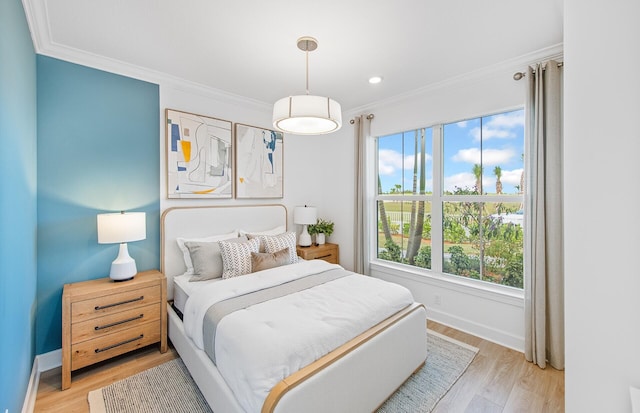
(327, 255)
(327, 252)
(114, 303)
(101, 326)
(92, 351)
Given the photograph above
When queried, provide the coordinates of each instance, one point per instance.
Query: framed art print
(199, 156)
(259, 162)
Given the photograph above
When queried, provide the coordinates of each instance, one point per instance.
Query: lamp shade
(121, 227)
(307, 115)
(304, 215)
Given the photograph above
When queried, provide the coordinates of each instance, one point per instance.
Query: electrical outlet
(438, 300)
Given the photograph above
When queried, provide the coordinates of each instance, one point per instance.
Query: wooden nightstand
(328, 252)
(103, 319)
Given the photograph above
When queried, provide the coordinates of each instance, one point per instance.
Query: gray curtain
(544, 272)
(361, 130)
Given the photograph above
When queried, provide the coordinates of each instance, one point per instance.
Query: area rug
(169, 387)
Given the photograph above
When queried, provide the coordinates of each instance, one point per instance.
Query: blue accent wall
(18, 207)
(98, 151)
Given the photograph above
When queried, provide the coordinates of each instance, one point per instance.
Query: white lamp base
(123, 268)
(305, 239)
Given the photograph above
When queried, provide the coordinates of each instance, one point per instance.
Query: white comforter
(262, 344)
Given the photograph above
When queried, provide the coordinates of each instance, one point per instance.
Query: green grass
(405, 206)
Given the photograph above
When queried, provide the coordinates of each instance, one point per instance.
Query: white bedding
(262, 344)
(183, 288)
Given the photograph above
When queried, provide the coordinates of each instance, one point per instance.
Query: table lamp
(304, 216)
(122, 227)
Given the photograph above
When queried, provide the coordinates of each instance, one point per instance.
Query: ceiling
(248, 48)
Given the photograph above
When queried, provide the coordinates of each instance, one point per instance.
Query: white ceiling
(248, 47)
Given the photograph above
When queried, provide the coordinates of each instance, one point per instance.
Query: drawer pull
(321, 257)
(131, 340)
(133, 300)
(98, 328)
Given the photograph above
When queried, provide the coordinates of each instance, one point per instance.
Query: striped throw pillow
(275, 243)
(236, 257)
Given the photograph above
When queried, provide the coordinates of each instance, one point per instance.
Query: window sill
(486, 290)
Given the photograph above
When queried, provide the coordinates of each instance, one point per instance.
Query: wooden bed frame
(358, 376)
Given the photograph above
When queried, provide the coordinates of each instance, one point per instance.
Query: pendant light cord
(306, 53)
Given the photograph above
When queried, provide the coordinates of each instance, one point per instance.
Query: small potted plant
(321, 229)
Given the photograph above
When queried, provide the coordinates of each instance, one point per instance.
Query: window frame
(437, 198)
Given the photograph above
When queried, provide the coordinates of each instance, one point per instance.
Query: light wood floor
(498, 380)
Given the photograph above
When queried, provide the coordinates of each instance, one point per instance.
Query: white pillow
(185, 251)
(275, 243)
(236, 257)
(273, 231)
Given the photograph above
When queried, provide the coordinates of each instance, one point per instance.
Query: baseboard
(41, 363)
(485, 332)
(32, 388)
(50, 360)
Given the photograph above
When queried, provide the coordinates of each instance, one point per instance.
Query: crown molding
(506, 66)
(36, 14)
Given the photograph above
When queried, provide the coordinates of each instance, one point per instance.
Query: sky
(496, 140)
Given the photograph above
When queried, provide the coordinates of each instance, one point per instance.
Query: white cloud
(409, 161)
(490, 133)
(461, 180)
(462, 124)
(499, 127)
(509, 120)
(390, 161)
(511, 177)
(489, 156)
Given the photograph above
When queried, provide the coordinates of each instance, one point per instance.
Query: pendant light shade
(307, 114)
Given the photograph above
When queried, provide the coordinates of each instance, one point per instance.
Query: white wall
(602, 223)
(298, 187)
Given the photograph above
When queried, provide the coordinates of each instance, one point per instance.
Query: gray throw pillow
(207, 259)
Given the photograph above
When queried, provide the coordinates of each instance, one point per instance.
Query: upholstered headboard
(198, 222)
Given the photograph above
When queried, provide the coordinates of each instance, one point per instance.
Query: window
(450, 198)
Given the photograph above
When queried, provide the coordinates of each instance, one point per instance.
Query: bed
(356, 376)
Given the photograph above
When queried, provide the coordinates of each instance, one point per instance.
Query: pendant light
(307, 114)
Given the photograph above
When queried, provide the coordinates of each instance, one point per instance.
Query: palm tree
(497, 171)
(383, 215)
(521, 188)
(417, 214)
(477, 171)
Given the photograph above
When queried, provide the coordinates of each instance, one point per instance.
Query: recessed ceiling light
(375, 80)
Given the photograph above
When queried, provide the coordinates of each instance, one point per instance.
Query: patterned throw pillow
(256, 234)
(276, 243)
(266, 260)
(236, 257)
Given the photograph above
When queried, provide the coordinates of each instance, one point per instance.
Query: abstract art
(259, 162)
(198, 156)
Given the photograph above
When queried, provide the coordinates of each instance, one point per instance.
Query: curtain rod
(520, 75)
(369, 116)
